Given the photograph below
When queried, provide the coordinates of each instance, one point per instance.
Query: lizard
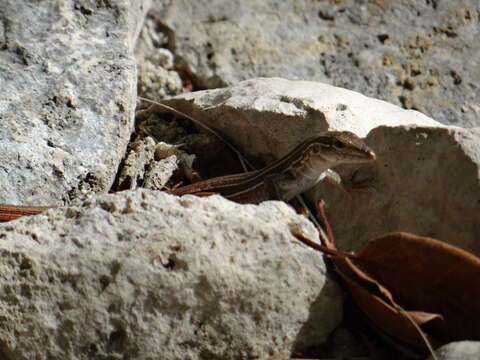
(299, 170)
(303, 167)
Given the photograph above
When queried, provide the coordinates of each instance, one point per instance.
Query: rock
(68, 96)
(461, 350)
(160, 172)
(148, 275)
(419, 54)
(425, 181)
(157, 77)
(139, 155)
(266, 118)
(155, 83)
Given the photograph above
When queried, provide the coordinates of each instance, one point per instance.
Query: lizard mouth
(360, 157)
(371, 156)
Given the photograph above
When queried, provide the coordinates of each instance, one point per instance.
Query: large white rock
(148, 275)
(267, 117)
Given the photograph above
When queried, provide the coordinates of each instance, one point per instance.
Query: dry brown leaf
(375, 300)
(428, 275)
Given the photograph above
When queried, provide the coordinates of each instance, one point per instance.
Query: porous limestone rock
(148, 275)
(419, 54)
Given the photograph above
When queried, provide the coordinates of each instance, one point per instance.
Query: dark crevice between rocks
(127, 181)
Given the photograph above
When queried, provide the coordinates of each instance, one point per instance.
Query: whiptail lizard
(299, 170)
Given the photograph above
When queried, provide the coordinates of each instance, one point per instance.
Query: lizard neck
(303, 177)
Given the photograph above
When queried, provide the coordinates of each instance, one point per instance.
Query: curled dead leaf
(403, 282)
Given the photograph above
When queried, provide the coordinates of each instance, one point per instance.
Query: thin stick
(326, 225)
(312, 218)
(323, 248)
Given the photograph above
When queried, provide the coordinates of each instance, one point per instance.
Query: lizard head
(337, 147)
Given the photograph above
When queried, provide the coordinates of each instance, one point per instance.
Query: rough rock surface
(267, 117)
(426, 180)
(147, 275)
(420, 54)
(461, 350)
(139, 155)
(68, 80)
(157, 77)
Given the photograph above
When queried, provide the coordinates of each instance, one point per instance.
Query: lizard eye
(339, 144)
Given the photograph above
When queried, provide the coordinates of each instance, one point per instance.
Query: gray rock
(155, 83)
(147, 275)
(68, 80)
(156, 75)
(139, 155)
(422, 55)
(461, 350)
(425, 181)
(160, 172)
